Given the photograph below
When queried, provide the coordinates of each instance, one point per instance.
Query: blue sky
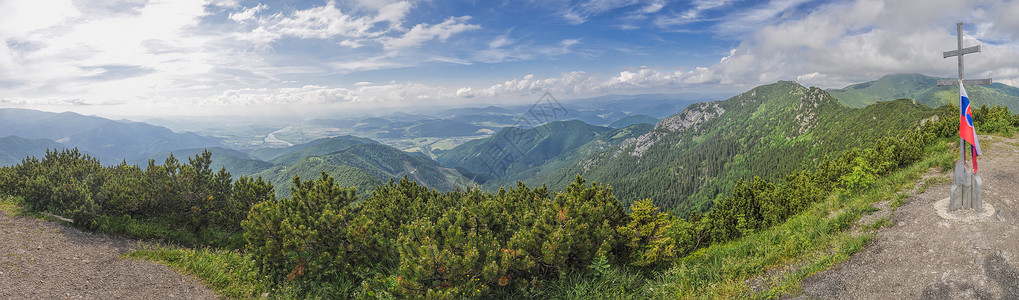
(200, 57)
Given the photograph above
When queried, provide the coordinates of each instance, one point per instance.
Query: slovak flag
(966, 129)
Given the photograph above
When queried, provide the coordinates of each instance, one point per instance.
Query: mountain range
(681, 155)
(109, 140)
(690, 158)
(924, 89)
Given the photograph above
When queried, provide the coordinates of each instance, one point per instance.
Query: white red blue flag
(966, 130)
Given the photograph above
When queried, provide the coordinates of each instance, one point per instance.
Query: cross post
(967, 188)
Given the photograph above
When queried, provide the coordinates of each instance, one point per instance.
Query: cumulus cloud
(320, 22)
(465, 92)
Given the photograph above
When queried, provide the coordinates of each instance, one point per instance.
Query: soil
(924, 255)
(46, 260)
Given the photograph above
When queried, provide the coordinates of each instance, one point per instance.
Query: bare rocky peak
(809, 103)
(693, 115)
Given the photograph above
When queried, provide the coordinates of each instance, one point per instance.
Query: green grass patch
(12, 205)
(230, 273)
(153, 230)
(614, 283)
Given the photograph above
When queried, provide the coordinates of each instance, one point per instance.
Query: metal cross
(967, 188)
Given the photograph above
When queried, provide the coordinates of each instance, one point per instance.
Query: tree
(647, 236)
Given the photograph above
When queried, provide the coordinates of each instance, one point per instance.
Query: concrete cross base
(967, 189)
(963, 215)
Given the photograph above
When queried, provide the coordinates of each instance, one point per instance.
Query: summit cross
(967, 188)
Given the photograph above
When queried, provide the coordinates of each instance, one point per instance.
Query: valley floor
(923, 255)
(45, 260)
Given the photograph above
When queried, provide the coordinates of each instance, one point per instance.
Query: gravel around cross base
(925, 256)
(46, 260)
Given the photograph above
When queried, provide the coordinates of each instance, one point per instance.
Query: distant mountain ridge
(924, 89)
(111, 141)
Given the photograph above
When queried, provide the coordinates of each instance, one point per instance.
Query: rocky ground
(46, 260)
(949, 256)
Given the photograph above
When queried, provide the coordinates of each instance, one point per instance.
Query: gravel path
(45, 260)
(926, 256)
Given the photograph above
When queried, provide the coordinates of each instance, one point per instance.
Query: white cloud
(653, 7)
(465, 92)
(692, 14)
(248, 13)
(847, 42)
(579, 83)
(316, 94)
(582, 11)
(62, 52)
(351, 44)
(745, 21)
(321, 22)
(19, 18)
(393, 13)
(424, 32)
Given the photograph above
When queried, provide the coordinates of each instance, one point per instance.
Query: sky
(233, 57)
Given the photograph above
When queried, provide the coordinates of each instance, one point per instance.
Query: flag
(966, 129)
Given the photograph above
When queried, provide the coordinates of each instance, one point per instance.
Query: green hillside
(322, 146)
(693, 157)
(513, 149)
(602, 142)
(365, 166)
(925, 90)
(634, 119)
(443, 128)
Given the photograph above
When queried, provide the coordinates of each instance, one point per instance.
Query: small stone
(1000, 215)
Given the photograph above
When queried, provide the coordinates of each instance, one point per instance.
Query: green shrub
(303, 237)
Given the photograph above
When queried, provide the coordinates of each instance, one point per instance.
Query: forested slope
(513, 149)
(694, 157)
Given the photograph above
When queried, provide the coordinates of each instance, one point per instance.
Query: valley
(718, 172)
(689, 154)
(577, 149)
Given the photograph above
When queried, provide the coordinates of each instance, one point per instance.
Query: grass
(155, 230)
(230, 273)
(12, 205)
(777, 259)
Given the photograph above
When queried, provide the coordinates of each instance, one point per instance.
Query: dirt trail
(45, 260)
(925, 256)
